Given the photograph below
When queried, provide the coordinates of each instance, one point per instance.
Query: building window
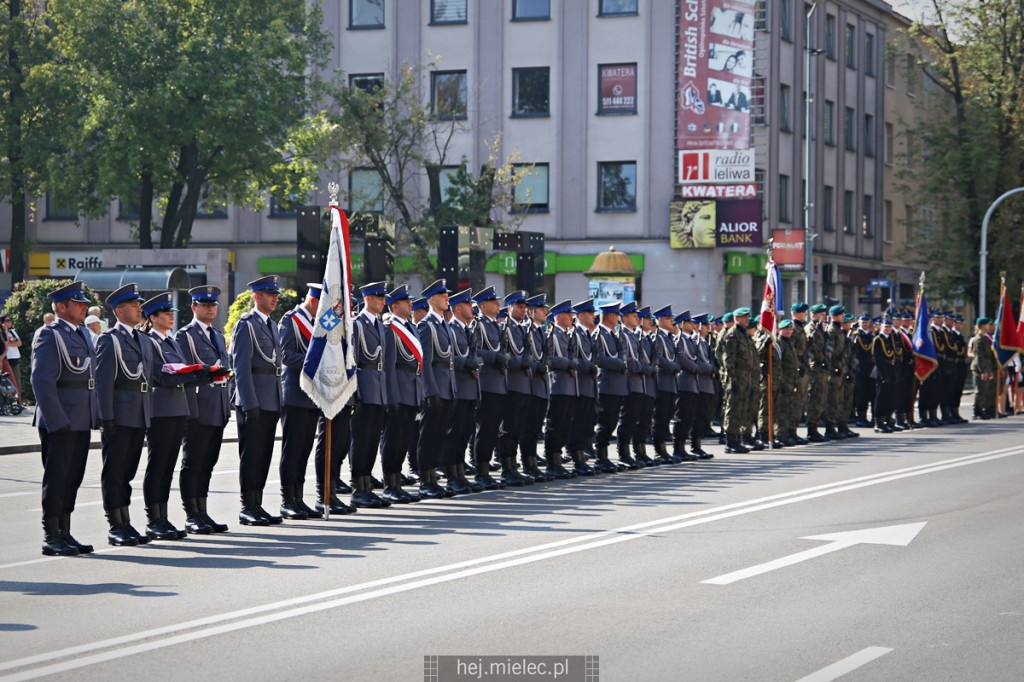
(869, 54)
(851, 37)
(890, 69)
(615, 8)
(828, 209)
(531, 194)
(531, 10)
(829, 123)
(367, 82)
(890, 140)
(869, 135)
(784, 108)
(850, 130)
(848, 226)
(616, 87)
(616, 186)
(887, 221)
(287, 207)
(830, 36)
(761, 15)
(757, 100)
(448, 94)
(786, 19)
(129, 208)
(868, 219)
(911, 74)
(784, 216)
(366, 13)
(211, 204)
(447, 12)
(58, 208)
(530, 91)
(365, 191)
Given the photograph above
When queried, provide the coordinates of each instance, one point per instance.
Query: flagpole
(999, 364)
(771, 352)
(914, 383)
(328, 491)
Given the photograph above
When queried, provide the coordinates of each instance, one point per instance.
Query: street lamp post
(808, 180)
(983, 267)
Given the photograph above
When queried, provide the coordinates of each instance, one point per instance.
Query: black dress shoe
(217, 527)
(337, 507)
(65, 535)
(161, 529)
(56, 546)
(271, 518)
(362, 499)
(432, 491)
(196, 525)
(605, 466)
(395, 495)
(647, 461)
(342, 488)
(120, 537)
(291, 511)
(816, 437)
(250, 516)
(487, 481)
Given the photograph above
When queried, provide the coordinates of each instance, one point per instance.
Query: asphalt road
(694, 572)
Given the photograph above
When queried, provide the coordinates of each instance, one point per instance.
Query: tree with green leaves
(391, 128)
(177, 103)
(969, 146)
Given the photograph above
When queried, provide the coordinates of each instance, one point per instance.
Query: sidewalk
(17, 435)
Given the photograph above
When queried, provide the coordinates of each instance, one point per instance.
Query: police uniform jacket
(635, 369)
(561, 351)
(489, 347)
(518, 378)
(706, 377)
(171, 400)
(686, 358)
(63, 378)
(210, 403)
(256, 357)
(368, 352)
(125, 385)
(401, 368)
(612, 377)
(586, 376)
(883, 351)
(467, 382)
(293, 347)
(665, 359)
(645, 344)
(438, 357)
(536, 351)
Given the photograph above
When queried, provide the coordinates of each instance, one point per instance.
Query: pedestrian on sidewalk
(12, 352)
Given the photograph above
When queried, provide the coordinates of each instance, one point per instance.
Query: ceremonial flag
(1006, 342)
(328, 373)
(771, 304)
(1020, 323)
(925, 358)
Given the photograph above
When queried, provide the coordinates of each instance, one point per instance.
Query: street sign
(881, 284)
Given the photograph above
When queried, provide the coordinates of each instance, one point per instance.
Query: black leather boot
(53, 543)
(126, 519)
(65, 533)
(336, 505)
(289, 507)
(194, 521)
(217, 527)
(250, 514)
(118, 535)
(157, 525)
(580, 466)
(602, 463)
(363, 495)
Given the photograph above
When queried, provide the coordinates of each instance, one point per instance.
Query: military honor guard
(299, 414)
(984, 367)
(819, 371)
(885, 347)
(459, 432)
(864, 387)
(403, 369)
(256, 356)
(562, 387)
(646, 334)
(687, 392)
(664, 350)
(438, 394)
(518, 385)
(171, 410)
(209, 409)
(127, 367)
(368, 418)
(740, 368)
(849, 372)
(789, 408)
(494, 365)
(705, 386)
(905, 384)
(64, 383)
(537, 360)
(638, 368)
(612, 385)
(930, 396)
(581, 428)
(959, 351)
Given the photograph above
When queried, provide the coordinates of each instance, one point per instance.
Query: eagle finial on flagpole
(333, 188)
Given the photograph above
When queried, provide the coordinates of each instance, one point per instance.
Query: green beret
(740, 312)
(727, 317)
(837, 310)
(789, 323)
(799, 307)
(848, 317)
(819, 308)
(982, 320)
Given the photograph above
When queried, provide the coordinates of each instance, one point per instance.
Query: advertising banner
(788, 249)
(705, 224)
(716, 167)
(715, 70)
(606, 290)
(618, 88)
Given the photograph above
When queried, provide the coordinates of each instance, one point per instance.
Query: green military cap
(740, 312)
(848, 317)
(837, 310)
(787, 323)
(727, 317)
(819, 308)
(799, 307)
(982, 320)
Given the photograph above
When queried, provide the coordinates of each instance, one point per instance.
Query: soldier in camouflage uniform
(770, 360)
(789, 406)
(983, 367)
(835, 351)
(738, 364)
(819, 371)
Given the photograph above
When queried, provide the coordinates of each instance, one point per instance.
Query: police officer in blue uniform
(646, 333)
(209, 409)
(64, 380)
(612, 384)
(403, 368)
(687, 391)
(494, 365)
(257, 358)
(667, 369)
(467, 386)
(368, 419)
(127, 368)
(537, 360)
(170, 412)
(581, 428)
(517, 383)
(629, 341)
(438, 393)
(561, 377)
(705, 386)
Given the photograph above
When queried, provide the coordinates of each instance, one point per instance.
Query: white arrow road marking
(887, 535)
(848, 664)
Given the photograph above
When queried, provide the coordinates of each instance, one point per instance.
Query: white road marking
(848, 664)
(291, 608)
(887, 535)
